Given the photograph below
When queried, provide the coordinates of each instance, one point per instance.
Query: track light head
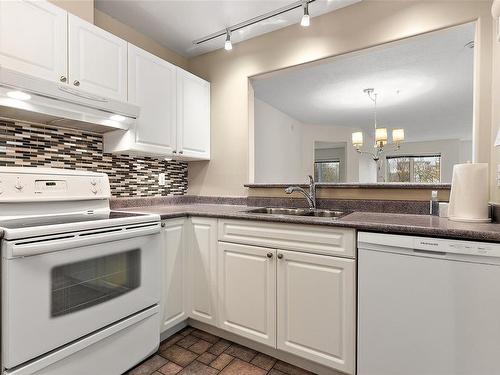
(306, 20)
(228, 46)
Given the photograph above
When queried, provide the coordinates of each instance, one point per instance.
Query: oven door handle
(48, 244)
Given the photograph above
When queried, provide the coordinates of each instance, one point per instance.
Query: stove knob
(93, 182)
(93, 189)
(1, 189)
(18, 185)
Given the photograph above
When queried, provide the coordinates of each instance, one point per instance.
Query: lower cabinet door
(316, 308)
(174, 274)
(202, 266)
(247, 291)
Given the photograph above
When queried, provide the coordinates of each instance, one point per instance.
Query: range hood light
(118, 118)
(19, 95)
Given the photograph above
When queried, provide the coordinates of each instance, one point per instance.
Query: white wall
(328, 133)
(284, 147)
(277, 138)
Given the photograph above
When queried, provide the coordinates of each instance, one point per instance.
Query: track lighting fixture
(305, 21)
(228, 46)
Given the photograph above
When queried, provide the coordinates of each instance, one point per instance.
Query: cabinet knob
(63, 79)
(76, 83)
(280, 256)
(163, 225)
(174, 152)
(269, 255)
(181, 152)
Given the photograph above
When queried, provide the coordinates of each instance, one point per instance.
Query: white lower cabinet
(202, 270)
(247, 291)
(174, 291)
(300, 302)
(316, 308)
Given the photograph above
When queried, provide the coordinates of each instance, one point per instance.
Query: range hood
(27, 98)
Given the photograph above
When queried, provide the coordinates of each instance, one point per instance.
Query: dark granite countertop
(420, 225)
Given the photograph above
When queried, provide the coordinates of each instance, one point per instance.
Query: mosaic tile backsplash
(44, 146)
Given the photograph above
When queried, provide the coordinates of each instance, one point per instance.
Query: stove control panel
(38, 184)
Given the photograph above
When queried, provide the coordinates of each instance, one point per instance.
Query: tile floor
(195, 352)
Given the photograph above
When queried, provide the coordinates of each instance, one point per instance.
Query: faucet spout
(310, 196)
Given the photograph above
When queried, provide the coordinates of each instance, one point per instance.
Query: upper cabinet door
(97, 60)
(33, 38)
(193, 116)
(316, 308)
(151, 85)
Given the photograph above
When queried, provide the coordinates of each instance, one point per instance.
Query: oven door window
(80, 285)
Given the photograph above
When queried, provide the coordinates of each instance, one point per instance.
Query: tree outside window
(414, 168)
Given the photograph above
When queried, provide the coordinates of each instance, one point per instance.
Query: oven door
(60, 288)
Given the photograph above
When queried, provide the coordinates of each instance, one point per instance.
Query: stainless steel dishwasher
(427, 306)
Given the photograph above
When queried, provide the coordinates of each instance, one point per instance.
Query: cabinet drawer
(308, 238)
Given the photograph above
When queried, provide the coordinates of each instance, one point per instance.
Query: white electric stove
(80, 283)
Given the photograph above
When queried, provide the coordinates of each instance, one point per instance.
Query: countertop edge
(389, 228)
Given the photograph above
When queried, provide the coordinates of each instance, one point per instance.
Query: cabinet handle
(181, 152)
(76, 83)
(174, 152)
(63, 79)
(269, 255)
(163, 225)
(280, 256)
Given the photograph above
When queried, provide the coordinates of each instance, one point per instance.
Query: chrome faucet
(311, 196)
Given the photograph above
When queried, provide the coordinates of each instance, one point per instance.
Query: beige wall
(127, 33)
(495, 156)
(81, 8)
(359, 26)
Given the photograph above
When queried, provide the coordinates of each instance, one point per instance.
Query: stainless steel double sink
(298, 212)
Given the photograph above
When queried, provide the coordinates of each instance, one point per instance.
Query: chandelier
(398, 135)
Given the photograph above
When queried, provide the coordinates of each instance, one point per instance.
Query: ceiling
(424, 85)
(175, 24)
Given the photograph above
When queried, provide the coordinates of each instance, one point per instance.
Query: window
(327, 171)
(415, 168)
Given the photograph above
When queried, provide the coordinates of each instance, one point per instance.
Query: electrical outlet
(161, 179)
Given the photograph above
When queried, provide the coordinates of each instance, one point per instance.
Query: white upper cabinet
(193, 116)
(33, 39)
(316, 308)
(40, 39)
(97, 60)
(151, 85)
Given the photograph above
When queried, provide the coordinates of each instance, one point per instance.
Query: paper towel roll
(469, 193)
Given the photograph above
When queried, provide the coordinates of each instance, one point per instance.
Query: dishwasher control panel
(456, 246)
(426, 245)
